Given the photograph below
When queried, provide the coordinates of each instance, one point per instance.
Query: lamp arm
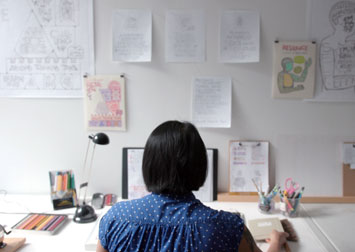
(86, 156)
(89, 173)
(84, 184)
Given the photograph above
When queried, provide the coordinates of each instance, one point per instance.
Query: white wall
(38, 135)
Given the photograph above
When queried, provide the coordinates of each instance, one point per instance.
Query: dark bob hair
(174, 159)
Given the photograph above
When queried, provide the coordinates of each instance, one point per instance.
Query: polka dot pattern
(166, 223)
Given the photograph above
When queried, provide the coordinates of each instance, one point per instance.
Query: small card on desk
(261, 228)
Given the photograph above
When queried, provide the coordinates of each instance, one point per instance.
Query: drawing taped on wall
(337, 54)
(46, 47)
(105, 102)
(293, 70)
(332, 23)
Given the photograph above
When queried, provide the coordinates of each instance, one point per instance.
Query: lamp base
(85, 214)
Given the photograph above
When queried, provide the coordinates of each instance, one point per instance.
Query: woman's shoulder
(222, 216)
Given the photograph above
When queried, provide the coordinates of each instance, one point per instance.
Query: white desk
(336, 222)
(73, 236)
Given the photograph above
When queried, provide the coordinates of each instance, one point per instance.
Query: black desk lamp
(86, 213)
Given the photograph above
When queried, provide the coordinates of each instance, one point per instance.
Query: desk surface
(73, 236)
(336, 222)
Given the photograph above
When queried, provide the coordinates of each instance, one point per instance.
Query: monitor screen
(133, 186)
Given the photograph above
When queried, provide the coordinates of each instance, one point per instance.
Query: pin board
(349, 169)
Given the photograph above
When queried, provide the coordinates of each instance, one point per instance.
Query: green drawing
(289, 75)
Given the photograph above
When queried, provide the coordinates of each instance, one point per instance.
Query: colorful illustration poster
(331, 24)
(105, 103)
(46, 47)
(294, 69)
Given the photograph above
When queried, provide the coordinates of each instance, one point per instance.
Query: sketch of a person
(337, 51)
(286, 78)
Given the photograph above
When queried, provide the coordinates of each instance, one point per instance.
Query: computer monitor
(133, 186)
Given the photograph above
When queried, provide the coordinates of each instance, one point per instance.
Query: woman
(170, 218)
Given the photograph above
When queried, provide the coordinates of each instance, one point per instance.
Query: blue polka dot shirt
(160, 222)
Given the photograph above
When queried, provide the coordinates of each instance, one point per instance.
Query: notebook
(261, 228)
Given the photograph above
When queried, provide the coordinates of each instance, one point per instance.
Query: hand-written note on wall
(239, 36)
(132, 36)
(185, 36)
(248, 160)
(212, 102)
(46, 47)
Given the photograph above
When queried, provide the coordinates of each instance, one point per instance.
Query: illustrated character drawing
(337, 51)
(288, 76)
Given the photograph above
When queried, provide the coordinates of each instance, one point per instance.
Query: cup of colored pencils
(266, 203)
(289, 203)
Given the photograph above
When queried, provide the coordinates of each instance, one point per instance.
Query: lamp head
(100, 138)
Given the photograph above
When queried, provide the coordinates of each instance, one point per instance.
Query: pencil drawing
(337, 50)
(47, 53)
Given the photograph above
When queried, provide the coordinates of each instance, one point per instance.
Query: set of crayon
(48, 223)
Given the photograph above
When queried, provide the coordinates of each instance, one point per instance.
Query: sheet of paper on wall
(239, 36)
(248, 160)
(136, 186)
(330, 23)
(294, 69)
(132, 35)
(185, 36)
(105, 102)
(348, 152)
(46, 47)
(212, 102)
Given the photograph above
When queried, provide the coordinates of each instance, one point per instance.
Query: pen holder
(266, 205)
(289, 206)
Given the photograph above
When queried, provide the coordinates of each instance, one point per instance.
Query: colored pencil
(45, 221)
(72, 181)
(39, 221)
(55, 217)
(23, 221)
(56, 223)
(68, 181)
(286, 200)
(65, 181)
(59, 180)
(28, 220)
(33, 222)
